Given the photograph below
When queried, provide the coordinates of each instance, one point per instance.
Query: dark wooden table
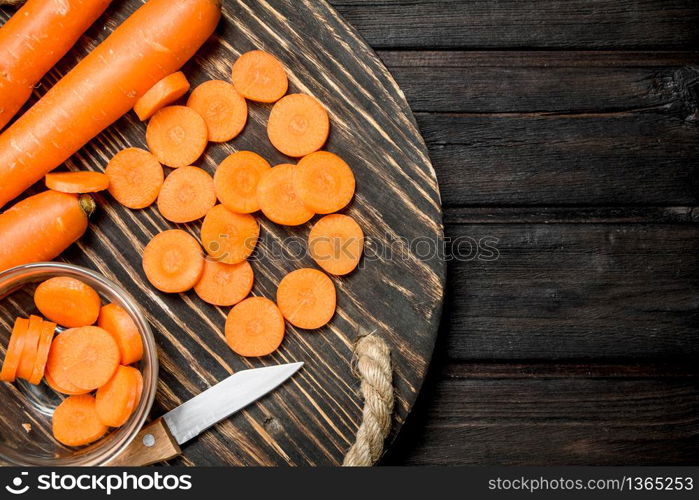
(565, 135)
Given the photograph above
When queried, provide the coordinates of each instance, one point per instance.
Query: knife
(160, 440)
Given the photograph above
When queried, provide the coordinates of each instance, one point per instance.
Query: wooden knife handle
(152, 445)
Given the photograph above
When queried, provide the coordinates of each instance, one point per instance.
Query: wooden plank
(546, 82)
(506, 24)
(573, 291)
(478, 418)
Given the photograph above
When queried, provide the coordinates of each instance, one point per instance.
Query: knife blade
(224, 399)
(159, 441)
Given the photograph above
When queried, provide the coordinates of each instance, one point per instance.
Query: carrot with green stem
(39, 228)
(34, 40)
(152, 43)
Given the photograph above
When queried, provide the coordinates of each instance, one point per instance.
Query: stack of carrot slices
(216, 266)
(88, 363)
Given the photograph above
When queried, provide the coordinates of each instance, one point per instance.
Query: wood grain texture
(512, 24)
(313, 418)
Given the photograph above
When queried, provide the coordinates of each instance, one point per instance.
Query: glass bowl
(22, 403)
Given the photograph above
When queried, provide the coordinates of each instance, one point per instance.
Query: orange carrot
(229, 237)
(298, 125)
(255, 327)
(236, 180)
(278, 199)
(152, 43)
(336, 243)
(324, 182)
(13, 355)
(259, 76)
(115, 401)
(68, 302)
(307, 298)
(42, 352)
(173, 261)
(162, 94)
(75, 421)
(39, 228)
(225, 284)
(64, 387)
(31, 345)
(34, 40)
(86, 357)
(114, 319)
(177, 136)
(77, 182)
(224, 110)
(135, 178)
(187, 195)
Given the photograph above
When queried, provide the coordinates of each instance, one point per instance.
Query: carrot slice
(162, 94)
(68, 302)
(278, 199)
(135, 178)
(64, 387)
(324, 182)
(224, 110)
(13, 356)
(116, 400)
(75, 421)
(187, 195)
(119, 324)
(236, 181)
(259, 76)
(31, 345)
(255, 327)
(173, 261)
(77, 182)
(229, 237)
(86, 357)
(225, 284)
(298, 125)
(42, 352)
(307, 298)
(336, 243)
(177, 136)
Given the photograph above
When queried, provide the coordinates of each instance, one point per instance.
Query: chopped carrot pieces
(307, 298)
(298, 125)
(86, 357)
(224, 110)
(114, 319)
(68, 302)
(116, 400)
(229, 237)
(236, 181)
(162, 94)
(173, 261)
(278, 199)
(75, 421)
(324, 182)
(259, 76)
(15, 348)
(135, 178)
(42, 352)
(77, 182)
(187, 195)
(336, 243)
(255, 327)
(225, 284)
(177, 136)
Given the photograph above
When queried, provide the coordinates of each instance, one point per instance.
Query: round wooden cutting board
(312, 419)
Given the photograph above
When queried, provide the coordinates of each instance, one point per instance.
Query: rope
(373, 367)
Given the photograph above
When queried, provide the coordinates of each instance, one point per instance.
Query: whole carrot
(34, 40)
(41, 227)
(152, 43)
